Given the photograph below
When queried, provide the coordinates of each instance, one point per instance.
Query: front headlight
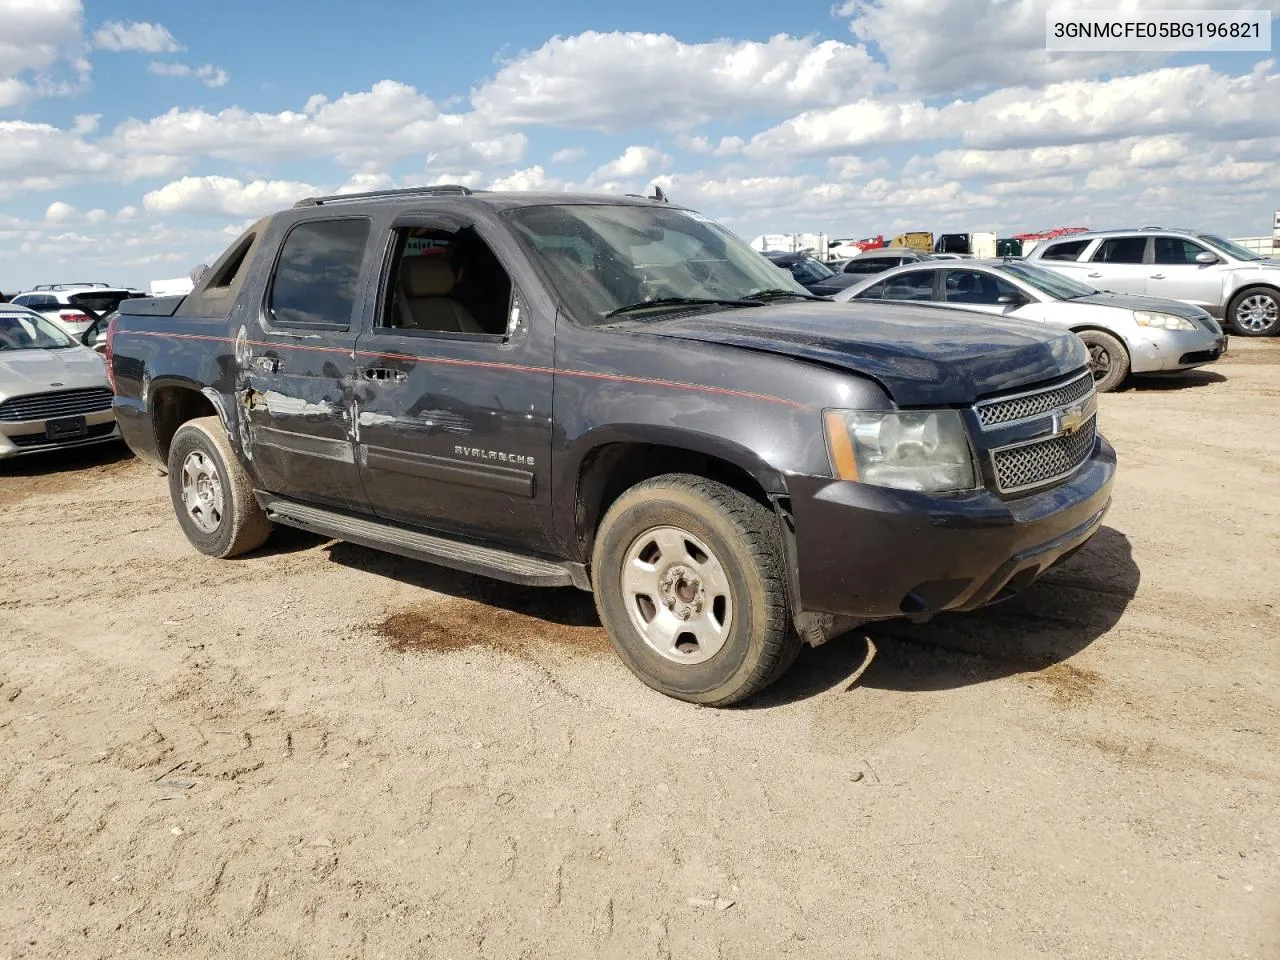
(925, 450)
(1162, 321)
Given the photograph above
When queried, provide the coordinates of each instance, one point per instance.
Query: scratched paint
(368, 419)
(286, 406)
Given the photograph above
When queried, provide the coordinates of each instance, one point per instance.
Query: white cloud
(208, 74)
(96, 215)
(60, 212)
(35, 38)
(85, 123)
(128, 212)
(615, 81)
(1192, 99)
(366, 182)
(532, 178)
(225, 195)
(568, 155)
(635, 162)
(385, 123)
(949, 46)
(135, 37)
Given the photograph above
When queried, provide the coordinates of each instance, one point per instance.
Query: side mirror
(1204, 257)
(1011, 300)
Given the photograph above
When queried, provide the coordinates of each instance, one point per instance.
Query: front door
(296, 371)
(453, 411)
(1175, 275)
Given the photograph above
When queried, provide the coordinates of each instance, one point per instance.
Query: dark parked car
(814, 275)
(617, 395)
(870, 262)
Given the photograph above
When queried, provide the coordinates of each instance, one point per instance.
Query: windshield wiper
(775, 293)
(683, 302)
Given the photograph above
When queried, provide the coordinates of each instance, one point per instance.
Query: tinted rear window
(1070, 250)
(99, 302)
(318, 273)
(1121, 250)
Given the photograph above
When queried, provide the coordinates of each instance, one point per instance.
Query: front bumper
(19, 438)
(1166, 350)
(873, 553)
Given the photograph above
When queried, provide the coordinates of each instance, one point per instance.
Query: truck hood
(920, 355)
(36, 371)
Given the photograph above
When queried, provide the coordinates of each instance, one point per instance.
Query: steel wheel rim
(1099, 361)
(202, 492)
(1258, 312)
(677, 595)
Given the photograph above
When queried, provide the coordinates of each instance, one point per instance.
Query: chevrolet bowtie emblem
(1069, 419)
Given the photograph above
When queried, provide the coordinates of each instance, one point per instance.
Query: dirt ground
(323, 751)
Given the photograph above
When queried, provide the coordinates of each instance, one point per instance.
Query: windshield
(1229, 248)
(602, 257)
(1048, 282)
(29, 331)
(809, 270)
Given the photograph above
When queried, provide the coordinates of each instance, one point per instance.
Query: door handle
(385, 375)
(1157, 276)
(1094, 275)
(268, 364)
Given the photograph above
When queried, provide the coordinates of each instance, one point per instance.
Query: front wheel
(1108, 359)
(211, 493)
(1255, 312)
(691, 586)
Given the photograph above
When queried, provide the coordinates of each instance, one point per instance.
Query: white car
(1223, 278)
(53, 391)
(74, 306)
(1124, 334)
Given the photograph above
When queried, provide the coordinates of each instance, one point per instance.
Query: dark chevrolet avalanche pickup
(619, 395)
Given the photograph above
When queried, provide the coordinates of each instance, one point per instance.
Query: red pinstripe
(483, 364)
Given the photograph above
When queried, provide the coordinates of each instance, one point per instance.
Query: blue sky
(136, 138)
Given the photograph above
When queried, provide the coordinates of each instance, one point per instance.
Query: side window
(976, 287)
(867, 267)
(318, 273)
(1070, 250)
(912, 285)
(1121, 250)
(873, 292)
(1175, 251)
(449, 282)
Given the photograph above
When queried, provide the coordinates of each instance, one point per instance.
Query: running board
(460, 555)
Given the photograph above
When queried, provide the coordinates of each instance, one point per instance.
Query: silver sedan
(1124, 334)
(53, 391)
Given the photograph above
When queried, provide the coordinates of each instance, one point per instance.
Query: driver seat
(424, 301)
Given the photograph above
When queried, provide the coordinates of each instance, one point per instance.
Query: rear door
(1120, 265)
(295, 372)
(454, 427)
(1175, 274)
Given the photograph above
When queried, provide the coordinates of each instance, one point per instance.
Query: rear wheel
(1108, 359)
(212, 495)
(1255, 312)
(691, 585)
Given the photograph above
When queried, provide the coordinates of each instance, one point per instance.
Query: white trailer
(814, 243)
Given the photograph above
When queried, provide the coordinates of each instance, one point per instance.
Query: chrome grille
(1003, 410)
(1043, 461)
(59, 403)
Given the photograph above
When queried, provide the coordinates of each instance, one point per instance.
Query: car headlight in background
(1162, 321)
(924, 450)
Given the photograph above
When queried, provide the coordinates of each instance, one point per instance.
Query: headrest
(430, 276)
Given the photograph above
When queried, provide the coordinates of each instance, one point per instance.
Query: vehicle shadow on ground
(565, 606)
(1054, 619)
(1180, 381)
(62, 461)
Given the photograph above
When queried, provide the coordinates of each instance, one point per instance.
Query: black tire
(742, 538)
(1108, 359)
(1257, 306)
(235, 524)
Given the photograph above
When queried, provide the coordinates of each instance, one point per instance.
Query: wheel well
(171, 407)
(1271, 288)
(610, 470)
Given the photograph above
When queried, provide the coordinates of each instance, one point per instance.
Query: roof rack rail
(440, 190)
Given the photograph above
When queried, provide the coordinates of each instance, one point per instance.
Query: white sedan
(1124, 334)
